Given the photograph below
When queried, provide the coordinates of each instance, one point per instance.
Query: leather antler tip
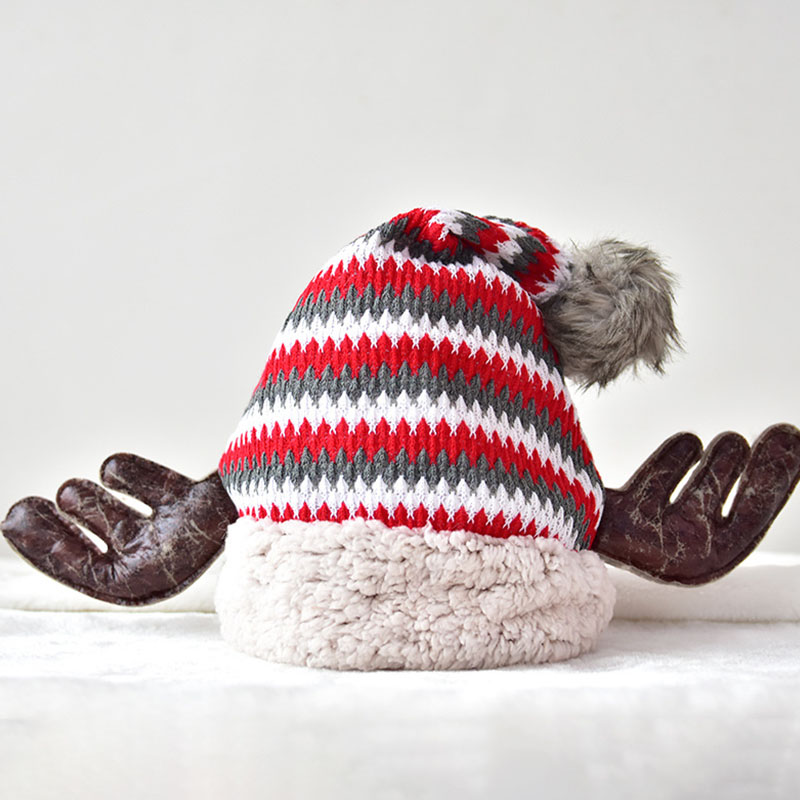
(19, 512)
(682, 448)
(690, 442)
(66, 492)
(784, 429)
(112, 465)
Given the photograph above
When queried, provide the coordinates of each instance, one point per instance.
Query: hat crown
(413, 383)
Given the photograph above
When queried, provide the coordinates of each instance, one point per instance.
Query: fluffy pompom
(614, 312)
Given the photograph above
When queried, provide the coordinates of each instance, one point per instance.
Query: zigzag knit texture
(413, 384)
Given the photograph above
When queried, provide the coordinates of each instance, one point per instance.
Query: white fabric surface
(154, 704)
(764, 588)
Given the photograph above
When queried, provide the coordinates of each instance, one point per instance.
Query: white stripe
(394, 328)
(563, 273)
(431, 498)
(375, 410)
(365, 247)
(506, 251)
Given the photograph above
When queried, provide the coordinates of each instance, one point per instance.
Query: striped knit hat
(412, 480)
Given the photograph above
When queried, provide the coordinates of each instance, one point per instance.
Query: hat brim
(359, 595)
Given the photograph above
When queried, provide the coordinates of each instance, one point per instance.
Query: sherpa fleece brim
(359, 595)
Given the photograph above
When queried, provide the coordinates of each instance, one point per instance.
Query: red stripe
(453, 358)
(433, 233)
(369, 442)
(533, 276)
(490, 290)
(418, 517)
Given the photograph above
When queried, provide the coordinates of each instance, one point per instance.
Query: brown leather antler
(149, 558)
(689, 541)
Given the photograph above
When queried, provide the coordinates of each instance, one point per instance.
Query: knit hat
(409, 487)
(413, 484)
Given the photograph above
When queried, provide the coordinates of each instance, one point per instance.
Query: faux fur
(358, 595)
(614, 312)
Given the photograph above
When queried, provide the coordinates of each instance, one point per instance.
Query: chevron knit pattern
(413, 384)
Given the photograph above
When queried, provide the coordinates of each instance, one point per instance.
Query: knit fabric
(413, 384)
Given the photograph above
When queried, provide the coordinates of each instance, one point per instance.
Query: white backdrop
(173, 173)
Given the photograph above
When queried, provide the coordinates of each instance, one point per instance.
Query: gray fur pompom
(614, 312)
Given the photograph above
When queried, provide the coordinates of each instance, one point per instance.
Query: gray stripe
(530, 247)
(247, 479)
(401, 236)
(398, 234)
(279, 388)
(338, 304)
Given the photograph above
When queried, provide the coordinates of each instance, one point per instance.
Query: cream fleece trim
(359, 595)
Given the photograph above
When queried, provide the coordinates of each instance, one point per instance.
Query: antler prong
(689, 541)
(149, 558)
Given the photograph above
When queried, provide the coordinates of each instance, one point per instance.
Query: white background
(173, 173)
